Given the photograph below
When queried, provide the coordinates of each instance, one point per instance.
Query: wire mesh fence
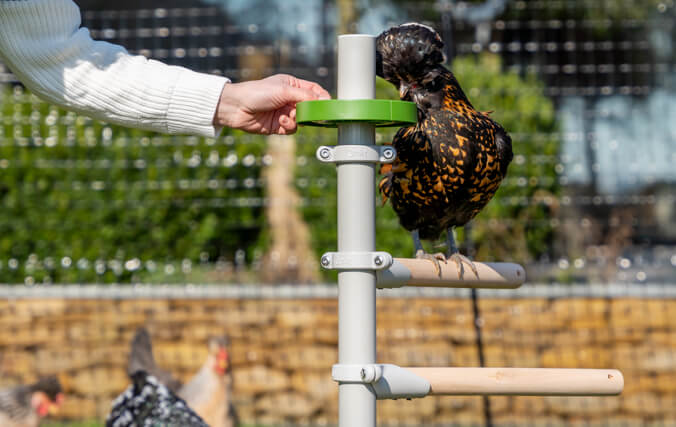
(586, 90)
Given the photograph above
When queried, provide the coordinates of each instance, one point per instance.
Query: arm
(42, 43)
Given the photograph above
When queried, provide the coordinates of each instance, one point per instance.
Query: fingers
(287, 120)
(302, 90)
(298, 94)
(315, 88)
(286, 125)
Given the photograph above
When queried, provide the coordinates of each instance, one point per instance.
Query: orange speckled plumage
(450, 164)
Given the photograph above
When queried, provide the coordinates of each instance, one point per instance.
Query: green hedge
(86, 201)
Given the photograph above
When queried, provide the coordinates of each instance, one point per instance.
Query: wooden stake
(522, 381)
(421, 272)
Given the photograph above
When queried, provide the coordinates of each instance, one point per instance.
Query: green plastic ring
(380, 112)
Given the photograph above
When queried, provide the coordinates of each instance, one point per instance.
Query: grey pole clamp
(388, 381)
(356, 154)
(356, 260)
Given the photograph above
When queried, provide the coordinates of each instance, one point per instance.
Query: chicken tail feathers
(141, 356)
(141, 359)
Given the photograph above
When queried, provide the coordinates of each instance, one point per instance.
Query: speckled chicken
(148, 403)
(209, 391)
(450, 164)
(26, 405)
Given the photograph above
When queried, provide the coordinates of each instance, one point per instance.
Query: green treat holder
(379, 112)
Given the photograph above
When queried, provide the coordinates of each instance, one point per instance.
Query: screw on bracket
(325, 153)
(325, 261)
(378, 260)
(388, 153)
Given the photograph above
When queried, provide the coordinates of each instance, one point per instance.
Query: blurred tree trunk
(348, 17)
(290, 258)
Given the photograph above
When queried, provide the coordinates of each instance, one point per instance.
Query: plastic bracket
(388, 381)
(356, 154)
(356, 260)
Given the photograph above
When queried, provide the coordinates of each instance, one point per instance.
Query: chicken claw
(435, 258)
(459, 259)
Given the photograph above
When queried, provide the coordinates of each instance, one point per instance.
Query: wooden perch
(422, 272)
(522, 381)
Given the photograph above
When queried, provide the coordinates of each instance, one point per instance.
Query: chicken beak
(54, 406)
(403, 90)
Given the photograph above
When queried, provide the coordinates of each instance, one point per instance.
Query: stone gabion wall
(282, 350)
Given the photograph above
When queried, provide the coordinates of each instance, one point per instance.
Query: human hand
(265, 106)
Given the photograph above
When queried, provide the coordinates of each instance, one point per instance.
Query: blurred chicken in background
(26, 405)
(148, 403)
(208, 393)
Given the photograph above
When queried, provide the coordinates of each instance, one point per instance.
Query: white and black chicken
(148, 403)
(209, 391)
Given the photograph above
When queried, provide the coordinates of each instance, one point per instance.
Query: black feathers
(451, 163)
(408, 52)
(148, 403)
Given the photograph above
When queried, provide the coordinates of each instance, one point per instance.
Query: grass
(95, 423)
(72, 424)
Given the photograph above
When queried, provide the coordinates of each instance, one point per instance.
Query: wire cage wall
(586, 90)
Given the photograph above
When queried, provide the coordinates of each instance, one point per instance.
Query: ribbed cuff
(193, 104)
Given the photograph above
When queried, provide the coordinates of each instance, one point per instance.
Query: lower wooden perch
(421, 272)
(522, 381)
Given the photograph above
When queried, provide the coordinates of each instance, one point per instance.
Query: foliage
(515, 225)
(86, 201)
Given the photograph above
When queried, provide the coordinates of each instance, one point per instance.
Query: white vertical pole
(356, 232)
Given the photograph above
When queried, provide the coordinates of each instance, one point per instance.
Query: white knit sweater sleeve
(42, 43)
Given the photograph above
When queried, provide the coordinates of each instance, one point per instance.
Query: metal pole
(356, 232)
